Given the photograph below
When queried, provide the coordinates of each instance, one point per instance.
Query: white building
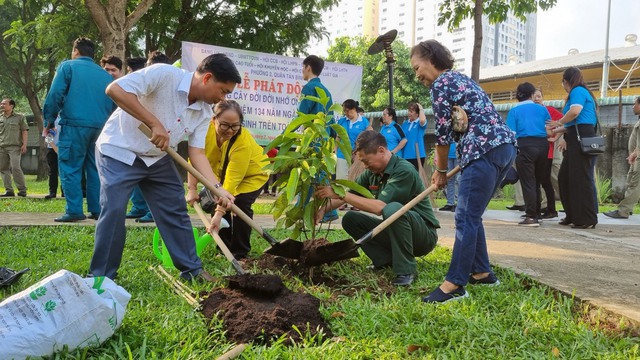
(416, 20)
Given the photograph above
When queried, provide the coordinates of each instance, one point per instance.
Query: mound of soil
(262, 318)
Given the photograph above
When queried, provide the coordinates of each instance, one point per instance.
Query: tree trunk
(114, 23)
(477, 42)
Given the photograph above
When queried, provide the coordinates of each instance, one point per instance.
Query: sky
(582, 24)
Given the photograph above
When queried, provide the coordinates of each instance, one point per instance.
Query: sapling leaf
(280, 205)
(335, 108)
(339, 190)
(324, 99)
(352, 185)
(292, 184)
(309, 214)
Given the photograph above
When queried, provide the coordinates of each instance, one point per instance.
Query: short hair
(369, 141)
(158, 57)
(525, 91)
(225, 105)
(392, 112)
(221, 67)
(638, 100)
(136, 63)
(84, 46)
(351, 104)
(11, 102)
(413, 106)
(316, 63)
(111, 60)
(435, 52)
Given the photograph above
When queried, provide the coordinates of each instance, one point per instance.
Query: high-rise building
(512, 41)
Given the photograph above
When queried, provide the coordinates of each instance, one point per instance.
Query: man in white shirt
(173, 103)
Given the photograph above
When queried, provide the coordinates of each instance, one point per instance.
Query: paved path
(600, 265)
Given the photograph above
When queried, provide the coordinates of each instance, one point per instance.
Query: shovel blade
(288, 248)
(341, 250)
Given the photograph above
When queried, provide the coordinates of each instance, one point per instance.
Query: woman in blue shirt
(528, 120)
(392, 132)
(576, 179)
(354, 124)
(414, 128)
(486, 150)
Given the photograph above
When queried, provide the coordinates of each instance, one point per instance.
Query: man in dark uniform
(393, 182)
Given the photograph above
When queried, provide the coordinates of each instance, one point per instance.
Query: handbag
(594, 145)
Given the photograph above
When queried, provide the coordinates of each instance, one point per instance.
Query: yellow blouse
(245, 172)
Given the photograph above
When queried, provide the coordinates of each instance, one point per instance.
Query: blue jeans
(452, 184)
(478, 182)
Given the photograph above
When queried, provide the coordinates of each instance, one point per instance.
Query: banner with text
(270, 89)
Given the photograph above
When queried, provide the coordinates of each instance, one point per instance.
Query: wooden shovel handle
(218, 240)
(383, 225)
(209, 185)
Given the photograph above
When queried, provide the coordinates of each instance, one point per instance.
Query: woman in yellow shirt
(238, 161)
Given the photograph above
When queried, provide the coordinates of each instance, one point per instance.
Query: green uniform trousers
(632, 193)
(407, 237)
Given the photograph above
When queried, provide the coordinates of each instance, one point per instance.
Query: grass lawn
(517, 320)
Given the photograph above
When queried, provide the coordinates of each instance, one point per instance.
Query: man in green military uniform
(393, 182)
(13, 143)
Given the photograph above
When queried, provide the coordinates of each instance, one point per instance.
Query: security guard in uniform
(393, 182)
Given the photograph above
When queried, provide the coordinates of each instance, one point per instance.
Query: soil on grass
(262, 318)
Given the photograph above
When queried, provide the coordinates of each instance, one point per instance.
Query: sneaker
(331, 218)
(615, 214)
(203, 277)
(448, 208)
(528, 221)
(50, 196)
(438, 296)
(403, 280)
(516, 207)
(22, 193)
(8, 194)
(491, 280)
(147, 218)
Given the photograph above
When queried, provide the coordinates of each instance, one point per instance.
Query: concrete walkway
(599, 265)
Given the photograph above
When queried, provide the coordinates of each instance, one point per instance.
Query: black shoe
(529, 221)
(516, 207)
(203, 277)
(549, 215)
(70, 218)
(403, 280)
(585, 226)
(565, 222)
(8, 194)
(491, 280)
(94, 216)
(22, 193)
(615, 214)
(50, 196)
(448, 208)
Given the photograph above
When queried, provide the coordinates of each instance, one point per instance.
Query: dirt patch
(250, 317)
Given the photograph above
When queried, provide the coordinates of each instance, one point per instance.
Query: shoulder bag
(594, 145)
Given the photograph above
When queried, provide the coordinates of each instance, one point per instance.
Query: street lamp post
(605, 64)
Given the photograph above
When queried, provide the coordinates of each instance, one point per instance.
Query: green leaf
(335, 108)
(309, 214)
(280, 205)
(292, 184)
(352, 185)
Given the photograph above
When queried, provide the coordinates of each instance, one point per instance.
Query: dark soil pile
(250, 315)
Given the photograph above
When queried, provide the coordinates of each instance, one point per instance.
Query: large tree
(37, 35)
(453, 12)
(274, 26)
(114, 19)
(375, 87)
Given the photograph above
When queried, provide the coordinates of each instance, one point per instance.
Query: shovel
(288, 248)
(347, 249)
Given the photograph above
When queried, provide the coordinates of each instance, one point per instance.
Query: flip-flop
(9, 276)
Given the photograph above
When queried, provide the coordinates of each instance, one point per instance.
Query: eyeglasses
(225, 127)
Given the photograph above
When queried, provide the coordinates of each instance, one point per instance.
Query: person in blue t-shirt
(354, 124)
(396, 140)
(575, 179)
(414, 128)
(528, 120)
(312, 67)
